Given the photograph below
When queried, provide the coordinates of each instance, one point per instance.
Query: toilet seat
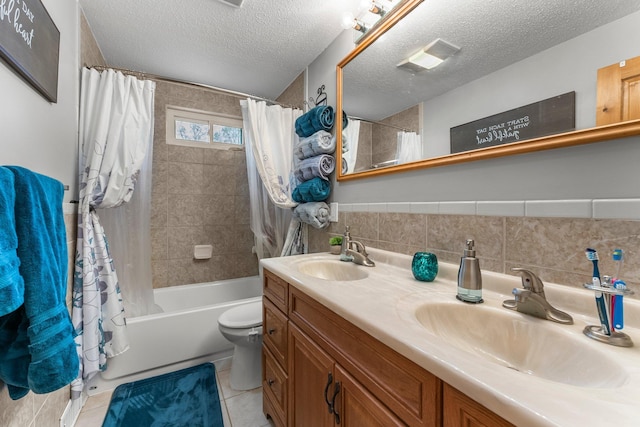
(243, 316)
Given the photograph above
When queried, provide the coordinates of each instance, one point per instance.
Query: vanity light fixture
(432, 55)
(378, 8)
(350, 22)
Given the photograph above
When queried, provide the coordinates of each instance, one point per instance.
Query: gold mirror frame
(568, 139)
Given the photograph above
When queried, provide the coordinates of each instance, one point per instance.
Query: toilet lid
(242, 316)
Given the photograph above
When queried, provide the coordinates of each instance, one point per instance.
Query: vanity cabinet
(275, 348)
(459, 410)
(320, 370)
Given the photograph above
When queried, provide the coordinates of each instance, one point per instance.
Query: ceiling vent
(234, 3)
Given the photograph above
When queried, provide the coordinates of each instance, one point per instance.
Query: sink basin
(332, 270)
(525, 345)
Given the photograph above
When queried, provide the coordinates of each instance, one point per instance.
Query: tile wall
(552, 247)
(385, 138)
(200, 197)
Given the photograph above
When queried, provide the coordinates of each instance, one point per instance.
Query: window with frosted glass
(197, 128)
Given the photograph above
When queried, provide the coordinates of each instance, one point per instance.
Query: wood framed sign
(547, 117)
(30, 44)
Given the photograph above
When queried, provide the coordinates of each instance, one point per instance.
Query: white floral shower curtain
(269, 135)
(116, 129)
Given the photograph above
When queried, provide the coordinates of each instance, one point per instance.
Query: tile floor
(239, 408)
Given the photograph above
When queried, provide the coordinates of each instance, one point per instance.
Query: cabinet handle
(326, 392)
(270, 381)
(271, 331)
(333, 403)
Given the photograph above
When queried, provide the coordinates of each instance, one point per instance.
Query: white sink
(333, 270)
(526, 345)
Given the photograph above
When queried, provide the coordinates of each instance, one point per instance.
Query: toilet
(242, 325)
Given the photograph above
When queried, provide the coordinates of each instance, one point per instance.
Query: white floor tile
(245, 409)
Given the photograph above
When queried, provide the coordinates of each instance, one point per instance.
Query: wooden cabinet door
(356, 407)
(311, 382)
(461, 411)
(618, 92)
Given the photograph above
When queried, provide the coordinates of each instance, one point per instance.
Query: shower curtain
(350, 149)
(116, 131)
(409, 148)
(269, 135)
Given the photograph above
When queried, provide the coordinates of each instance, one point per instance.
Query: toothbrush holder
(595, 332)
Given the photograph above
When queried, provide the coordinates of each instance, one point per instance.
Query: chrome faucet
(531, 299)
(354, 251)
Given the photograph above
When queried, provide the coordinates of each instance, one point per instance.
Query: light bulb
(348, 21)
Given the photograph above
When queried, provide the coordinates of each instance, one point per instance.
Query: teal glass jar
(424, 266)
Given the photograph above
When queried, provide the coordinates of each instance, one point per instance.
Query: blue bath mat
(188, 397)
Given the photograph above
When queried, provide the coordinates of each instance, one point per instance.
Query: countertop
(384, 305)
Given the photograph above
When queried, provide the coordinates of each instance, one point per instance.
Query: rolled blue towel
(319, 166)
(42, 248)
(320, 142)
(314, 190)
(318, 118)
(11, 282)
(315, 214)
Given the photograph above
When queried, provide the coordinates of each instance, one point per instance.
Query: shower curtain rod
(380, 123)
(144, 75)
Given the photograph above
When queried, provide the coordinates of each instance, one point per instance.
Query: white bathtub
(184, 334)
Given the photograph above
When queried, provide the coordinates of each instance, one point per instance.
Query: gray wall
(37, 134)
(594, 171)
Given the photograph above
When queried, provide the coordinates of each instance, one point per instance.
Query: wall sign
(30, 43)
(548, 117)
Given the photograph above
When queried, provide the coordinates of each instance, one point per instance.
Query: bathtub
(184, 334)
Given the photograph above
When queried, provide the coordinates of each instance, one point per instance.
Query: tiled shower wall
(200, 197)
(553, 248)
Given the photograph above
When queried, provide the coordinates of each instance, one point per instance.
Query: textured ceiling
(263, 46)
(491, 34)
(259, 48)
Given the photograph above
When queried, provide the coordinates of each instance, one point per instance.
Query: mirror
(512, 53)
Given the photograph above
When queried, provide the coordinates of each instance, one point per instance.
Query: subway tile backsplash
(550, 244)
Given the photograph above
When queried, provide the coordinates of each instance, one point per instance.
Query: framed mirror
(507, 54)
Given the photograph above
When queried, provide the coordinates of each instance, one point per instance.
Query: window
(196, 128)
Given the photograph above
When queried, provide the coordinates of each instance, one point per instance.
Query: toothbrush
(618, 313)
(592, 256)
(618, 257)
(617, 316)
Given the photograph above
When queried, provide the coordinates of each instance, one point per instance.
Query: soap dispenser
(469, 276)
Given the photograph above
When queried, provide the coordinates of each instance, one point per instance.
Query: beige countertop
(384, 305)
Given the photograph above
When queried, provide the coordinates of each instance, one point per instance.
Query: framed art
(30, 44)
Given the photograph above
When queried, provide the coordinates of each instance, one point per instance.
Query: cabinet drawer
(276, 290)
(274, 327)
(274, 384)
(412, 393)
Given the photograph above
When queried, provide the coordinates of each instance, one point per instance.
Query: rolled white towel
(320, 166)
(320, 142)
(315, 214)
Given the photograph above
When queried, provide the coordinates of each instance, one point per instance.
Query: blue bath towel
(51, 355)
(318, 118)
(314, 190)
(11, 283)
